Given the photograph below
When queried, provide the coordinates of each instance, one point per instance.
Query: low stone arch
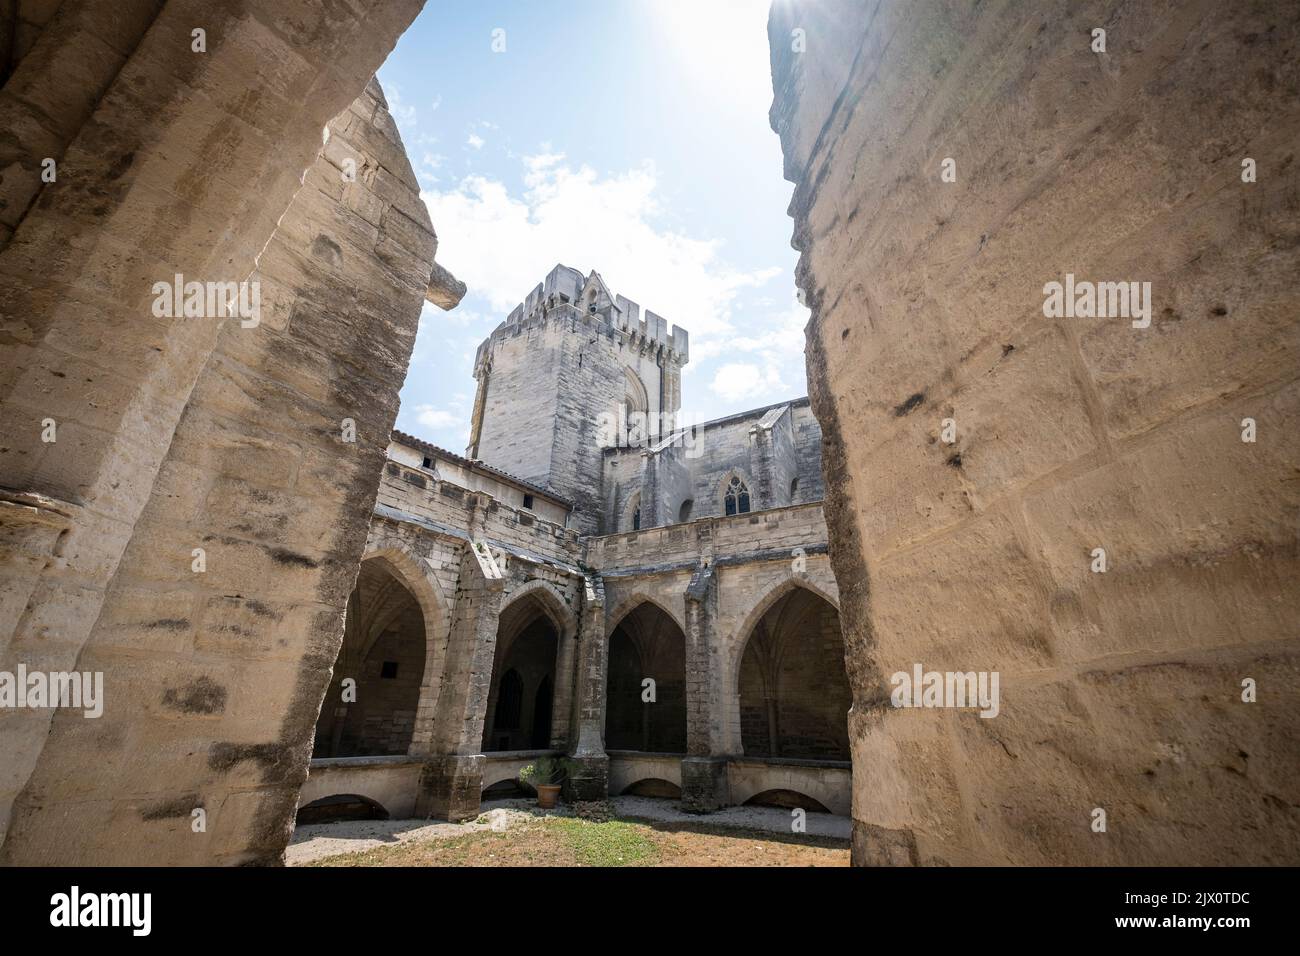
(832, 792)
(627, 770)
(787, 799)
(502, 771)
(653, 787)
(340, 806)
(414, 573)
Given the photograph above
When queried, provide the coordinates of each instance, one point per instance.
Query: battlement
(565, 288)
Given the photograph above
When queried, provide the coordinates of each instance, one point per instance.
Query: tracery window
(736, 499)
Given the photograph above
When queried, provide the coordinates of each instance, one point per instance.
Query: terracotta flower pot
(547, 794)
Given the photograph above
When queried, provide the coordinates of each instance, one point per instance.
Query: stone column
(563, 726)
(589, 779)
(704, 770)
(452, 780)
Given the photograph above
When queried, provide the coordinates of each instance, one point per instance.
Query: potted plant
(545, 775)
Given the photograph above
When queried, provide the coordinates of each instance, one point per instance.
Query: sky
(626, 136)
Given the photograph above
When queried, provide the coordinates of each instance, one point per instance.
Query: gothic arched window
(736, 498)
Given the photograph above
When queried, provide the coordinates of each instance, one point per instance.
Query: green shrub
(545, 770)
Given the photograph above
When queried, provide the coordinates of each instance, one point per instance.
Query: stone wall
(767, 448)
(177, 433)
(552, 379)
(1121, 690)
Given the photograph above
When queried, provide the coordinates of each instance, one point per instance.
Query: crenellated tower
(570, 370)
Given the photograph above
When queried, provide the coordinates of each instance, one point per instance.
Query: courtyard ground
(625, 831)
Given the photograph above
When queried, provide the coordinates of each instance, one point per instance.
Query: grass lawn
(569, 841)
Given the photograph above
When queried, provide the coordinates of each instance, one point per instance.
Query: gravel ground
(321, 840)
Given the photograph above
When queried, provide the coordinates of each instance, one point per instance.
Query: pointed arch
(536, 630)
(635, 396)
(645, 682)
(390, 630)
(552, 602)
(770, 596)
(630, 603)
(416, 574)
(788, 679)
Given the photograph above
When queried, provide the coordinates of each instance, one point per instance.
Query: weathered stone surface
(184, 163)
(1120, 690)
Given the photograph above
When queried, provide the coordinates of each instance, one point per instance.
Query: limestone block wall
(755, 559)
(518, 392)
(460, 472)
(444, 505)
(699, 467)
(1122, 689)
(808, 450)
(426, 527)
(591, 385)
(183, 163)
(551, 382)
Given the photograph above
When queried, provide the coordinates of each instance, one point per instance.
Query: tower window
(794, 489)
(427, 463)
(684, 513)
(528, 502)
(736, 499)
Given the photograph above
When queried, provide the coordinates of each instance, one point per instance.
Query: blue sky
(625, 136)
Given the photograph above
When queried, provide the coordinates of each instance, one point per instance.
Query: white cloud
(431, 417)
(737, 381)
(773, 339)
(502, 244)
(475, 141)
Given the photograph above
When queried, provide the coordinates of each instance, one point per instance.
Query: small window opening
(737, 497)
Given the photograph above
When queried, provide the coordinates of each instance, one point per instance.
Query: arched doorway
(794, 692)
(647, 643)
(520, 702)
(370, 706)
